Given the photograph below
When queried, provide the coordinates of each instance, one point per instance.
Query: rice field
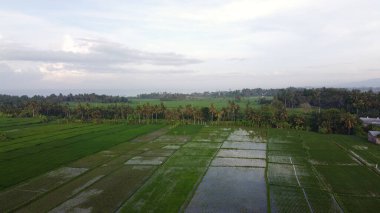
(50, 167)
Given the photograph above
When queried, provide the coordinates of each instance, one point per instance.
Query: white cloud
(58, 72)
(70, 45)
(93, 51)
(239, 42)
(240, 10)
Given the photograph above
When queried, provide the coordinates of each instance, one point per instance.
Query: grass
(185, 130)
(291, 199)
(354, 180)
(170, 187)
(11, 123)
(22, 164)
(196, 152)
(66, 191)
(166, 191)
(35, 130)
(324, 169)
(368, 151)
(284, 175)
(202, 145)
(331, 157)
(188, 161)
(113, 190)
(36, 187)
(198, 102)
(287, 199)
(360, 204)
(46, 137)
(286, 160)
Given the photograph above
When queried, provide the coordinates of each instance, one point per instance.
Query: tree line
(217, 94)
(326, 110)
(274, 115)
(361, 103)
(91, 98)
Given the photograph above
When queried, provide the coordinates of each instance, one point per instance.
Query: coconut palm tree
(213, 111)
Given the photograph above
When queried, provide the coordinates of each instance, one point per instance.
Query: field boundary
(360, 159)
(191, 194)
(299, 184)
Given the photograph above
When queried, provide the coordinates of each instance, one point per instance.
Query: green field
(187, 168)
(195, 102)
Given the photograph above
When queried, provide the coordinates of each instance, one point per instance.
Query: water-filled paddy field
(157, 168)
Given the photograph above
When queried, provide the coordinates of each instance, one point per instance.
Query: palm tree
(180, 110)
(34, 107)
(156, 110)
(213, 111)
(162, 109)
(349, 121)
(139, 111)
(233, 108)
(189, 111)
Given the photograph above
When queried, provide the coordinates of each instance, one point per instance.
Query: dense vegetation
(235, 93)
(323, 110)
(20, 100)
(365, 103)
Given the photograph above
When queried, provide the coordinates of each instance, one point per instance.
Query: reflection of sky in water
(231, 189)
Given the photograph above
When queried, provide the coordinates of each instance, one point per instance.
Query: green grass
(107, 170)
(199, 102)
(51, 199)
(22, 164)
(354, 180)
(368, 151)
(46, 136)
(286, 160)
(207, 145)
(196, 151)
(35, 130)
(324, 168)
(185, 130)
(290, 199)
(12, 123)
(330, 157)
(284, 175)
(188, 161)
(196, 102)
(171, 186)
(114, 189)
(287, 199)
(56, 141)
(360, 204)
(166, 191)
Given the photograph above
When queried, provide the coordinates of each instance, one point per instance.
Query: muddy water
(231, 189)
(145, 160)
(234, 153)
(235, 181)
(245, 162)
(244, 145)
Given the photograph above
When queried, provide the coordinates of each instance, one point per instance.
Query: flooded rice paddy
(235, 180)
(208, 169)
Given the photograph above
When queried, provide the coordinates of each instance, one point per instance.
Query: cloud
(85, 51)
(223, 43)
(10, 77)
(225, 12)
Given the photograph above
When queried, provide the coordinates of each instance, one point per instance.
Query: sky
(131, 47)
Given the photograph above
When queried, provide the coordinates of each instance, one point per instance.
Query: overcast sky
(186, 45)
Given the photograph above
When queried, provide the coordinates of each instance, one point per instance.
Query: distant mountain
(374, 83)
